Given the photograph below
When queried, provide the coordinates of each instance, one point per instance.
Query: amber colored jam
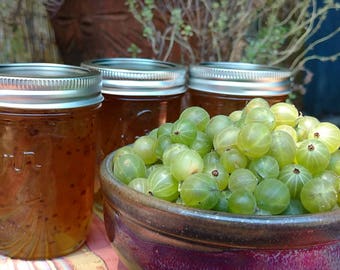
(47, 170)
(216, 103)
(122, 119)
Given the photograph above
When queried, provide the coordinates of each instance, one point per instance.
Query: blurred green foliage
(271, 32)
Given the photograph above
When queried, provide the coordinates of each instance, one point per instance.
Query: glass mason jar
(139, 95)
(223, 87)
(48, 151)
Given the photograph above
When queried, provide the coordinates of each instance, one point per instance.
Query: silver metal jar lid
(48, 86)
(241, 79)
(139, 76)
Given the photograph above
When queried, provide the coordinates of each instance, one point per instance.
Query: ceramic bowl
(149, 233)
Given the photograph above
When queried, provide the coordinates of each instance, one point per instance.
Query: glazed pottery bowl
(149, 233)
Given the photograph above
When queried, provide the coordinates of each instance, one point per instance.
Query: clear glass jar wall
(223, 87)
(140, 94)
(48, 129)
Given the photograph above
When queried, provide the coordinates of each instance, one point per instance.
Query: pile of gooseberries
(261, 160)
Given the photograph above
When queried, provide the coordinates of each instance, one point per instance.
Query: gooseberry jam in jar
(137, 117)
(139, 95)
(223, 87)
(48, 118)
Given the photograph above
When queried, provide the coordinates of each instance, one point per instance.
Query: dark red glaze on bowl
(149, 233)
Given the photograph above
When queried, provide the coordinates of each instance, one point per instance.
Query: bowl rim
(280, 224)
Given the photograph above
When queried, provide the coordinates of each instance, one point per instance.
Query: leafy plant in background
(273, 32)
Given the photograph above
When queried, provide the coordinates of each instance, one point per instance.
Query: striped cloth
(96, 254)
